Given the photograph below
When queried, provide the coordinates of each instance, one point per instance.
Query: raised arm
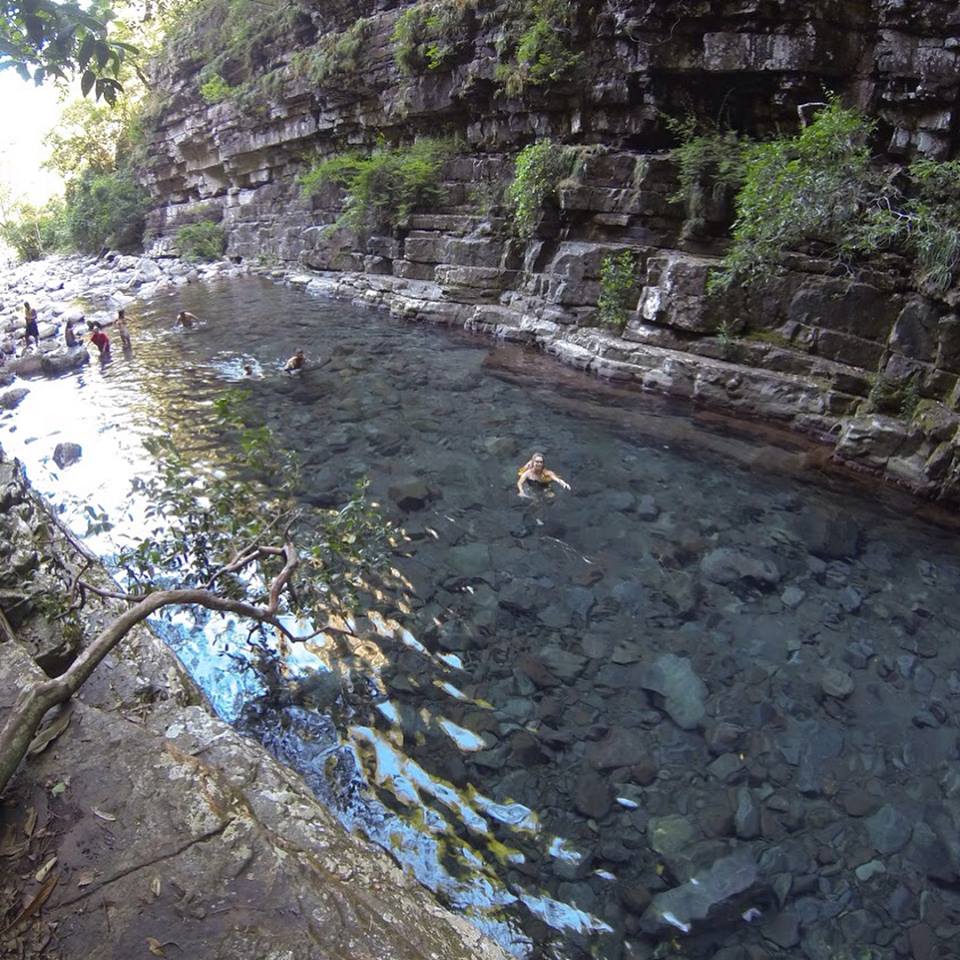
(550, 475)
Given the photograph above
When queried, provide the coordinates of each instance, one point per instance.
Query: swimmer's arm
(550, 475)
(520, 482)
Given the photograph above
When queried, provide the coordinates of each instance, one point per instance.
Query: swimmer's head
(95, 325)
(300, 354)
(536, 461)
(248, 370)
(121, 314)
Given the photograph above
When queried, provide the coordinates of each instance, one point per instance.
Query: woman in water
(533, 471)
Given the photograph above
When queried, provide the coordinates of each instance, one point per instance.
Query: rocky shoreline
(748, 380)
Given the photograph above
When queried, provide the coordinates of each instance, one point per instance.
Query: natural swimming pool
(573, 704)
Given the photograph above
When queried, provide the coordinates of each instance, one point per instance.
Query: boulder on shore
(62, 361)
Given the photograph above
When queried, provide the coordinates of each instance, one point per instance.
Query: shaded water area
(561, 708)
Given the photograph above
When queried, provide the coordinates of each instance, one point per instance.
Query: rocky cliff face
(808, 351)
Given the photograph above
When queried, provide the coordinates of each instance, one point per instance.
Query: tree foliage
(105, 209)
(45, 39)
(200, 241)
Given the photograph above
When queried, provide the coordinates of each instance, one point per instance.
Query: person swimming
(186, 320)
(533, 471)
(295, 363)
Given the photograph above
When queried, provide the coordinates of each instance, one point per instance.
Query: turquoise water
(488, 720)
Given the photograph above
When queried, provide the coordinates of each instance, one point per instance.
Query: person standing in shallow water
(101, 341)
(121, 324)
(31, 329)
(533, 471)
(69, 337)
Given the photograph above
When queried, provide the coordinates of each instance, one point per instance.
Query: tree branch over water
(200, 510)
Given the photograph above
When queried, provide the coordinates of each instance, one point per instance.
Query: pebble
(836, 683)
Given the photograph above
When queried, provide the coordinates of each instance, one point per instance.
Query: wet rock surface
(556, 711)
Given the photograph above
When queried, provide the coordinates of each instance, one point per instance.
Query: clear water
(473, 697)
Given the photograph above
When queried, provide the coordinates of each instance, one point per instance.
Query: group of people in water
(533, 473)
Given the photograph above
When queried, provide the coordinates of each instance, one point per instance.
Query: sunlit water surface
(470, 698)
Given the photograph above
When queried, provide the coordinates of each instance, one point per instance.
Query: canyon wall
(867, 362)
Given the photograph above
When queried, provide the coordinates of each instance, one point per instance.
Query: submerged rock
(683, 692)
(726, 566)
(411, 495)
(65, 454)
(712, 897)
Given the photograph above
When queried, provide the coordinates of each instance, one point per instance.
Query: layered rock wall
(815, 350)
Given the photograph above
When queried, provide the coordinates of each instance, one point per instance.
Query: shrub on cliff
(214, 89)
(710, 166)
(427, 34)
(821, 187)
(538, 170)
(619, 290)
(386, 186)
(200, 241)
(537, 44)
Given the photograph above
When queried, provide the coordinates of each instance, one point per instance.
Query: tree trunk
(31, 707)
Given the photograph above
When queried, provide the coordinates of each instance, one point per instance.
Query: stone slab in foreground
(169, 830)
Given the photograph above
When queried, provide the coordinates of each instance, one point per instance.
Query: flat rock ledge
(166, 833)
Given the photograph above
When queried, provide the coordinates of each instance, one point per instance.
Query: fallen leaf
(45, 869)
(50, 733)
(85, 879)
(28, 827)
(58, 788)
(155, 886)
(155, 947)
(102, 815)
(39, 899)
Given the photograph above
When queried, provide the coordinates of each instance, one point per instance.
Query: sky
(27, 113)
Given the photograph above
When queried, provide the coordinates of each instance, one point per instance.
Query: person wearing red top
(101, 341)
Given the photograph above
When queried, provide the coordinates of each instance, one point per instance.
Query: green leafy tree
(34, 232)
(229, 537)
(45, 39)
(105, 209)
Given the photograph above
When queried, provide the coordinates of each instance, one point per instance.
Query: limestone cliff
(323, 78)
